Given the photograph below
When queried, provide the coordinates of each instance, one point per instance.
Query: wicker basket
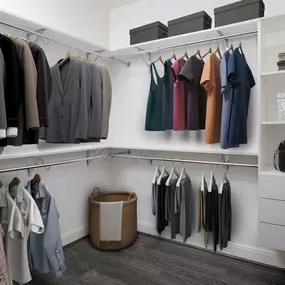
(129, 221)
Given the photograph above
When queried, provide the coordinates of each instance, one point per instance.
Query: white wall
(124, 18)
(86, 19)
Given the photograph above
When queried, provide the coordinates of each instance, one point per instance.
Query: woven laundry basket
(129, 219)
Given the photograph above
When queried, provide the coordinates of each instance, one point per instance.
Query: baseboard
(254, 254)
(74, 235)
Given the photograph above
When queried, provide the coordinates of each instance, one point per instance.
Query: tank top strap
(155, 70)
(151, 72)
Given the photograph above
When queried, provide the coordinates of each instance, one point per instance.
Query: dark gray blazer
(95, 109)
(68, 108)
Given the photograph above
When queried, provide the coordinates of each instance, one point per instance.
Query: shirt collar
(39, 188)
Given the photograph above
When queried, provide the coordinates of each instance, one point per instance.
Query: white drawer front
(271, 236)
(272, 186)
(272, 211)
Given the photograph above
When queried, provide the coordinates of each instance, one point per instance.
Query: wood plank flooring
(156, 262)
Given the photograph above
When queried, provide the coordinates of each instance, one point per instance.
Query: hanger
(211, 182)
(7, 35)
(186, 55)
(182, 174)
(66, 58)
(37, 178)
(159, 59)
(156, 174)
(232, 47)
(218, 51)
(15, 182)
(161, 175)
(197, 53)
(173, 171)
(240, 48)
(203, 182)
(209, 52)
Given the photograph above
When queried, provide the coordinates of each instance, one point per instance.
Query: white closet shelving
(272, 132)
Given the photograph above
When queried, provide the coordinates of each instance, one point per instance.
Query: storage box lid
(237, 5)
(190, 17)
(149, 26)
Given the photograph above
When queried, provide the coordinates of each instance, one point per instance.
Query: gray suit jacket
(95, 109)
(69, 103)
(107, 100)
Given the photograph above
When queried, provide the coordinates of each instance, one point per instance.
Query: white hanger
(156, 174)
(203, 182)
(183, 173)
(173, 171)
(221, 187)
(211, 182)
(161, 175)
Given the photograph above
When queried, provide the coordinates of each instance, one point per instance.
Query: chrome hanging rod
(62, 43)
(141, 52)
(29, 167)
(185, 161)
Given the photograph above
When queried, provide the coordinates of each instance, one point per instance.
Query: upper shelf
(13, 20)
(238, 28)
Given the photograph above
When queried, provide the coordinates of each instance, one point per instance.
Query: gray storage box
(149, 32)
(188, 24)
(239, 11)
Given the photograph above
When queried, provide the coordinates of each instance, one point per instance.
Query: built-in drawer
(271, 236)
(272, 211)
(272, 186)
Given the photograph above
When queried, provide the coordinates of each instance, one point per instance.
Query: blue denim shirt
(45, 250)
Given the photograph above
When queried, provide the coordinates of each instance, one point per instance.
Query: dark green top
(154, 111)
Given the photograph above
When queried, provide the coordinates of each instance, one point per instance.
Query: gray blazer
(45, 250)
(95, 109)
(107, 100)
(68, 108)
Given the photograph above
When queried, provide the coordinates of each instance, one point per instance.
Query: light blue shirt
(45, 250)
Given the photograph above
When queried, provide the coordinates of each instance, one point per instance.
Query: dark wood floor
(156, 262)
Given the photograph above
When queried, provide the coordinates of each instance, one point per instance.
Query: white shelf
(273, 73)
(272, 171)
(243, 27)
(273, 123)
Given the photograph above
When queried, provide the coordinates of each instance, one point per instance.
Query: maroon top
(180, 97)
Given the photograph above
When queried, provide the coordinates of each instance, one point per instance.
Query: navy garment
(241, 79)
(167, 103)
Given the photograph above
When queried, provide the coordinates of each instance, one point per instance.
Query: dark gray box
(189, 24)
(148, 32)
(239, 11)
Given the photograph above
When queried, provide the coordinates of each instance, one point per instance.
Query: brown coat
(30, 80)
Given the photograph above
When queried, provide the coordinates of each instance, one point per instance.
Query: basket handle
(96, 191)
(131, 194)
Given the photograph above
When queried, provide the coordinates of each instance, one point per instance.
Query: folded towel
(110, 221)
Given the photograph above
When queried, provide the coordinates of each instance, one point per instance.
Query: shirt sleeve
(207, 76)
(186, 71)
(231, 72)
(52, 241)
(251, 80)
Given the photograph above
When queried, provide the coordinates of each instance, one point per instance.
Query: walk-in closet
(142, 142)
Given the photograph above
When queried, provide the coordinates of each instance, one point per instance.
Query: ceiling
(117, 3)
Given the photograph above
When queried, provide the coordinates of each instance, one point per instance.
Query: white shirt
(23, 216)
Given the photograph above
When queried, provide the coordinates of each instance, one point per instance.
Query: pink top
(180, 97)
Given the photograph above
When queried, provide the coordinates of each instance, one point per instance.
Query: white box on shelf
(281, 106)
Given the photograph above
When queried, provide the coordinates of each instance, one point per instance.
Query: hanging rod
(141, 52)
(185, 161)
(62, 43)
(29, 167)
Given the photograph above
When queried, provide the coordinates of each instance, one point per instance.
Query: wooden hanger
(16, 181)
(232, 47)
(219, 52)
(66, 58)
(186, 55)
(198, 53)
(173, 57)
(209, 52)
(36, 178)
(159, 59)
